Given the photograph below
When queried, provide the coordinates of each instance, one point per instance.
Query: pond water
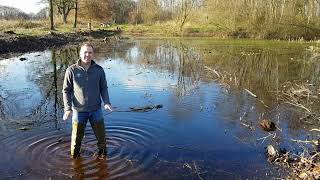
(207, 128)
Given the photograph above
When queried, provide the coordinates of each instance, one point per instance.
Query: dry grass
(41, 27)
(304, 97)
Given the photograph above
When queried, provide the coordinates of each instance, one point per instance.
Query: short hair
(87, 44)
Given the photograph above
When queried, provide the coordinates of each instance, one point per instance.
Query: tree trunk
(64, 19)
(64, 16)
(51, 15)
(75, 14)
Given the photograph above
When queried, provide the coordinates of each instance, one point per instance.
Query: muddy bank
(15, 43)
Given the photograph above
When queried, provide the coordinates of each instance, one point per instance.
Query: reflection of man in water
(83, 169)
(83, 88)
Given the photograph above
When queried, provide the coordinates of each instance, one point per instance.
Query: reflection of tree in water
(260, 69)
(114, 50)
(265, 71)
(2, 109)
(190, 65)
(179, 60)
(50, 107)
(184, 66)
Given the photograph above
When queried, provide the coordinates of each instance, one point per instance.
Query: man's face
(86, 54)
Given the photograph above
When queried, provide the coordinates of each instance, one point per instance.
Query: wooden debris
(146, 108)
(251, 93)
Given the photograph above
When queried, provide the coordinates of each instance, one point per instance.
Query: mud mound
(12, 43)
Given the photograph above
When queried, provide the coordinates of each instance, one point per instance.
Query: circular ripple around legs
(48, 151)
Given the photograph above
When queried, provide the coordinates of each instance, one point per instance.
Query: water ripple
(47, 151)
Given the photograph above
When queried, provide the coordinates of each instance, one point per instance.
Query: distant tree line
(10, 13)
(241, 17)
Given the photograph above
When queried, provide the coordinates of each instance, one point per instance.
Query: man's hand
(67, 114)
(108, 107)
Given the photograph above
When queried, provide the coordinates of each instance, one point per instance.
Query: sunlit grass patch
(26, 27)
(164, 29)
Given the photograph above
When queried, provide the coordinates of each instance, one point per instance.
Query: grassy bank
(37, 28)
(280, 32)
(169, 29)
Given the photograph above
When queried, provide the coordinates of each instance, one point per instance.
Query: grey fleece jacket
(83, 90)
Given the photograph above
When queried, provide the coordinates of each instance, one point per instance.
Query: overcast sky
(27, 6)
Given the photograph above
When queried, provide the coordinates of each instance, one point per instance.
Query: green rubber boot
(76, 139)
(100, 133)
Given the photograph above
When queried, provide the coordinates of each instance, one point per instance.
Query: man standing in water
(83, 88)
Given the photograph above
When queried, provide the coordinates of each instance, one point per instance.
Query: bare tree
(64, 7)
(121, 9)
(51, 15)
(91, 10)
(186, 8)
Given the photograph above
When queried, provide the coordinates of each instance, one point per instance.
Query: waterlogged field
(205, 126)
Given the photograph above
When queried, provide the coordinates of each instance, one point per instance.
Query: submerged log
(146, 108)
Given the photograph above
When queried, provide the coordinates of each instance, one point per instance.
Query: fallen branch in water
(251, 93)
(139, 109)
(197, 170)
(315, 130)
(213, 70)
(314, 142)
(247, 125)
(299, 105)
(264, 138)
(146, 108)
